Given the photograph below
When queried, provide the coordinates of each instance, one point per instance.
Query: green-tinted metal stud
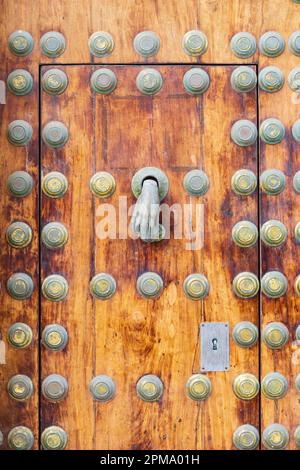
(54, 235)
(194, 43)
(55, 337)
(20, 43)
(20, 286)
(196, 81)
(19, 183)
(103, 81)
(243, 79)
(55, 134)
(19, 335)
(102, 388)
(271, 79)
(246, 437)
(19, 132)
(273, 233)
(297, 285)
(55, 184)
(244, 133)
(54, 81)
(274, 284)
(146, 43)
(19, 82)
(297, 382)
(275, 437)
(294, 43)
(18, 234)
(149, 81)
(196, 183)
(103, 286)
(243, 182)
(101, 44)
(297, 436)
(20, 387)
(275, 335)
(150, 388)
(54, 438)
(245, 334)
(245, 386)
(271, 44)
(298, 333)
(296, 182)
(272, 131)
(55, 288)
(102, 184)
(150, 285)
(296, 130)
(54, 387)
(245, 285)
(272, 181)
(294, 79)
(196, 286)
(152, 173)
(274, 386)
(243, 45)
(244, 234)
(53, 44)
(198, 387)
(20, 438)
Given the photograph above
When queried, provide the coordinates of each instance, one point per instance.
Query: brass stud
(19, 335)
(20, 286)
(20, 43)
(198, 387)
(196, 286)
(243, 79)
(244, 234)
(54, 388)
(196, 183)
(55, 337)
(271, 79)
(54, 438)
(18, 235)
(296, 182)
(20, 82)
(294, 79)
(102, 388)
(102, 184)
(296, 130)
(54, 82)
(271, 44)
(19, 183)
(245, 285)
(297, 382)
(274, 284)
(297, 436)
(103, 286)
(294, 43)
(275, 335)
(196, 81)
(55, 185)
(152, 173)
(103, 81)
(244, 133)
(150, 388)
(101, 44)
(274, 386)
(20, 387)
(273, 233)
(272, 131)
(53, 44)
(19, 133)
(54, 235)
(55, 134)
(194, 43)
(246, 386)
(149, 81)
(297, 285)
(55, 288)
(246, 437)
(146, 43)
(272, 182)
(275, 437)
(243, 182)
(245, 334)
(20, 438)
(149, 285)
(243, 45)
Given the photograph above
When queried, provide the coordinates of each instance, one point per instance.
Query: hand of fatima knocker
(145, 219)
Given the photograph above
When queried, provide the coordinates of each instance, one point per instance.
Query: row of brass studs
(22, 438)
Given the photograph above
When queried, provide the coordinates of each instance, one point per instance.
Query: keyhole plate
(214, 346)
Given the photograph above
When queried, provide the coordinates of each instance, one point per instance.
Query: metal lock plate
(214, 341)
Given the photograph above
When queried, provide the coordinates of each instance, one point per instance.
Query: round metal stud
(19, 183)
(294, 43)
(20, 438)
(55, 184)
(294, 79)
(102, 184)
(146, 43)
(103, 286)
(53, 44)
(296, 182)
(297, 436)
(20, 43)
(243, 45)
(18, 234)
(272, 182)
(246, 437)
(19, 132)
(149, 81)
(275, 437)
(54, 82)
(274, 284)
(55, 288)
(196, 183)
(297, 285)
(246, 386)
(273, 233)
(196, 81)
(297, 382)
(152, 173)
(54, 235)
(103, 81)
(150, 388)
(20, 387)
(244, 234)
(243, 182)
(20, 286)
(1, 438)
(298, 333)
(243, 79)
(194, 43)
(271, 44)
(198, 387)
(54, 438)
(150, 285)
(244, 133)
(19, 82)
(196, 286)
(55, 337)
(54, 387)
(245, 334)
(102, 388)
(270, 79)
(55, 134)
(274, 386)
(272, 131)
(19, 335)
(101, 44)
(296, 130)
(275, 335)
(245, 285)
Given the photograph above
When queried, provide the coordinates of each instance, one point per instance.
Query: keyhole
(214, 342)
